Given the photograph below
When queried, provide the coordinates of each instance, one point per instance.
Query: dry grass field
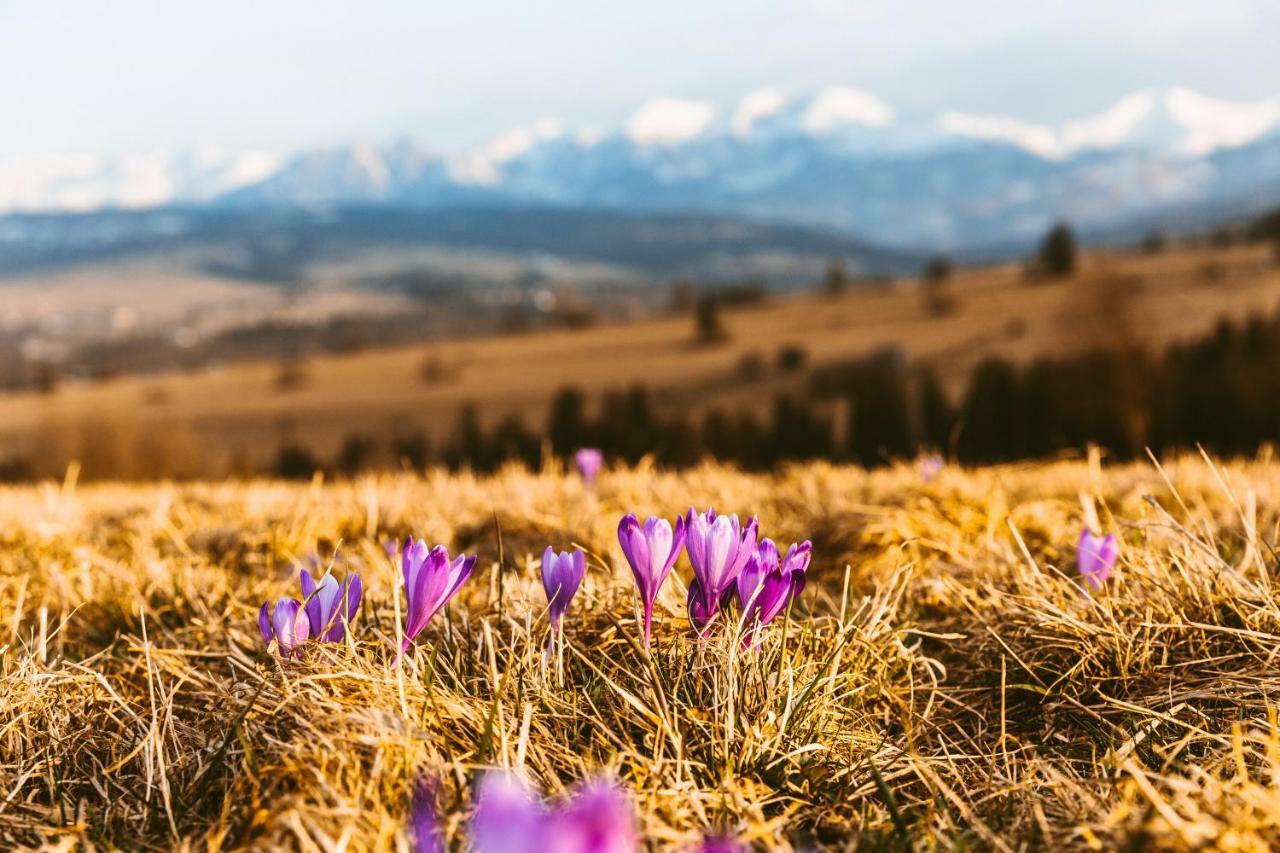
(944, 682)
(241, 412)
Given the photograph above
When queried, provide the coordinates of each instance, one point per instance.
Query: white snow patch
(669, 121)
(1110, 128)
(1035, 138)
(1213, 124)
(840, 105)
(753, 107)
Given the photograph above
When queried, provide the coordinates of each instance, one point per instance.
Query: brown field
(944, 682)
(239, 412)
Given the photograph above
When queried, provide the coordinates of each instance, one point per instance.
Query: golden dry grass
(944, 682)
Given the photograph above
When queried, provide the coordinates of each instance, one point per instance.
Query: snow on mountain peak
(669, 121)
(82, 182)
(484, 167)
(755, 106)
(1110, 128)
(1199, 124)
(836, 106)
(1035, 138)
(1213, 124)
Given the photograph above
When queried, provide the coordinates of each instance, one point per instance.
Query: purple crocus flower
(768, 583)
(589, 461)
(1096, 557)
(287, 624)
(718, 549)
(651, 551)
(430, 581)
(510, 818)
(423, 830)
(561, 576)
(324, 603)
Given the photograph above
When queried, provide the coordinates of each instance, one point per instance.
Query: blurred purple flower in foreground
(768, 583)
(589, 461)
(287, 624)
(430, 581)
(424, 834)
(1096, 557)
(324, 603)
(561, 576)
(718, 549)
(510, 818)
(651, 551)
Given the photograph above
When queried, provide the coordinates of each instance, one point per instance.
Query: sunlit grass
(945, 679)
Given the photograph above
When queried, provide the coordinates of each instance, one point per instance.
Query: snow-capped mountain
(87, 182)
(840, 158)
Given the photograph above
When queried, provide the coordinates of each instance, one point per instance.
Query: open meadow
(238, 415)
(944, 680)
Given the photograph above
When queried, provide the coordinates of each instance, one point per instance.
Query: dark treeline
(1222, 392)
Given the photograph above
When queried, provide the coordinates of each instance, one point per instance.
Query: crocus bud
(1096, 557)
(287, 624)
(561, 576)
(589, 461)
(718, 549)
(651, 551)
(431, 580)
(330, 605)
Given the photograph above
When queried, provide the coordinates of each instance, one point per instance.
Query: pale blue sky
(126, 75)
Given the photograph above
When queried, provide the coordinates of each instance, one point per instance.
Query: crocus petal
(355, 592)
(796, 565)
(290, 624)
(701, 611)
(759, 563)
(635, 547)
(264, 622)
(677, 544)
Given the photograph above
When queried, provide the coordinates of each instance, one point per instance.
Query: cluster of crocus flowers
(728, 560)
(562, 574)
(323, 614)
(589, 461)
(431, 580)
(1096, 557)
